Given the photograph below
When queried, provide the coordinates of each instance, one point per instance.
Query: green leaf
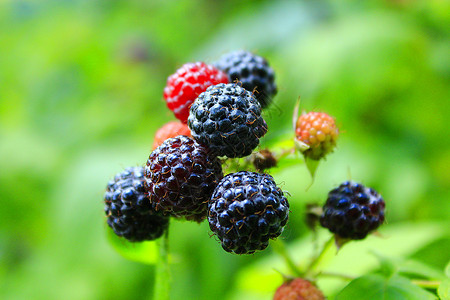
(398, 240)
(444, 289)
(377, 287)
(388, 265)
(416, 268)
(312, 166)
(142, 252)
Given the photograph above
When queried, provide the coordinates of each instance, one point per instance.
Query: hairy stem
(162, 281)
(337, 275)
(280, 247)
(318, 259)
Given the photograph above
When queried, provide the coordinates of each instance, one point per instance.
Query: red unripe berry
(189, 81)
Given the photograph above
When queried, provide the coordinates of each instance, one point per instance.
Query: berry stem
(284, 153)
(428, 284)
(280, 247)
(336, 275)
(162, 281)
(318, 259)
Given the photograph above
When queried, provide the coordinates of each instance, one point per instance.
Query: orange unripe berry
(318, 131)
(170, 130)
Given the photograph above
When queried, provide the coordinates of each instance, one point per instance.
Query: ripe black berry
(246, 210)
(227, 118)
(352, 211)
(180, 177)
(129, 211)
(252, 71)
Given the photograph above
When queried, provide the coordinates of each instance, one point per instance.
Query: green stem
(162, 281)
(318, 259)
(338, 275)
(427, 283)
(280, 247)
(284, 153)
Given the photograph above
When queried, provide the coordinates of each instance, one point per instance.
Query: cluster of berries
(183, 178)
(219, 108)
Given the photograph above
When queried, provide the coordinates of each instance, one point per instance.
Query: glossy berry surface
(352, 211)
(227, 118)
(298, 289)
(246, 210)
(189, 81)
(180, 177)
(317, 130)
(128, 210)
(252, 71)
(170, 130)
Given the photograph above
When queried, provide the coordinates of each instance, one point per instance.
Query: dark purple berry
(129, 211)
(242, 216)
(180, 177)
(352, 211)
(252, 71)
(227, 119)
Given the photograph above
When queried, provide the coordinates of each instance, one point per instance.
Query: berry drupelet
(252, 71)
(180, 177)
(129, 212)
(352, 211)
(189, 81)
(319, 132)
(246, 210)
(227, 118)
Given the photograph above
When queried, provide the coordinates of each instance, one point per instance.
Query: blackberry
(228, 119)
(129, 211)
(180, 177)
(189, 81)
(246, 210)
(298, 289)
(352, 211)
(252, 71)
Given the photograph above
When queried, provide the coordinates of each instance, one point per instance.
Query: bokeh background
(81, 98)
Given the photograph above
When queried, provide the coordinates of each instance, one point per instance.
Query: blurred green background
(81, 98)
